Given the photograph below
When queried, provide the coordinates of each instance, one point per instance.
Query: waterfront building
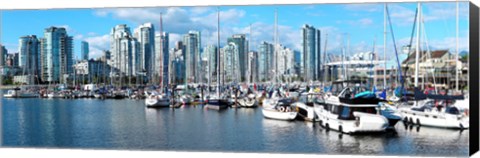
(252, 67)
(145, 35)
(85, 49)
(436, 68)
(210, 52)
(12, 60)
(312, 61)
(192, 45)
(29, 58)
(265, 67)
(56, 53)
(124, 49)
(91, 71)
(241, 43)
(231, 65)
(4, 53)
(162, 58)
(177, 64)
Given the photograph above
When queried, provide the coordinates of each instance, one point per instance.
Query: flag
(383, 95)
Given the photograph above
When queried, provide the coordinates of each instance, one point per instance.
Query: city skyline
(363, 22)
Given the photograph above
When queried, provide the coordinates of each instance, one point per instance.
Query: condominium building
(29, 57)
(145, 35)
(161, 62)
(241, 43)
(85, 49)
(192, 45)
(311, 68)
(56, 55)
(124, 52)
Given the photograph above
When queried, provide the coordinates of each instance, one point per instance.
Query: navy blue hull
(217, 104)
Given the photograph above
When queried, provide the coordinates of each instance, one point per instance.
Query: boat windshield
(452, 110)
(346, 112)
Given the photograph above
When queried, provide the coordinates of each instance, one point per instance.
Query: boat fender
(282, 109)
(418, 121)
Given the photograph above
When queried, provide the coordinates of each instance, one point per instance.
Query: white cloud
(199, 10)
(98, 44)
(78, 37)
(363, 22)
(364, 7)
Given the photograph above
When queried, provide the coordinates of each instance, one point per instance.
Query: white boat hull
(247, 102)
(366, 122)
(308, 113)
(154, 102)
(274, 114)
(435, 119)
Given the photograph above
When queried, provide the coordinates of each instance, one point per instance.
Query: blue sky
(362, 22)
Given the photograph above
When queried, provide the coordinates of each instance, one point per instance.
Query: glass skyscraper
(265, 66)
(192, 43)
(56, 55)
(311, 53)
(162, 58)
(85, 50)
(242, 46)
(29, 55)
(124, 51)
(210, 52)
(145, 35)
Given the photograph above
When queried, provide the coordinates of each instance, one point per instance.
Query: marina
(228, 97)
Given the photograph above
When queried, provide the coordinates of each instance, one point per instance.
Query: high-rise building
(210, 52)
(242, 46)
(285, 63)
(124, 52)
(231, 65)
(4, 53)
(85, 49)
(145, 34)
(29, 56)
(252, 67)
(177, 64)
(56, 55)
(265, 67)
(161, 58)
(192, 56)
(311, 53)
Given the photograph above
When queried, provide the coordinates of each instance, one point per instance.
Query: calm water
(127, 124)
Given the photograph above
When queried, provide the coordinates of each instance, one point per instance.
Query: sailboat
(278, 106)
(155, 99)
(216, 101)
(432, 110)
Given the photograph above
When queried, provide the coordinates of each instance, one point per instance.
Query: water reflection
(127, 124)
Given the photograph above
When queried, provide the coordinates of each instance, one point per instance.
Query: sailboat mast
(385, 46)
(374, 58)
(275, 46)
(347, 53)
(160, 53)
(456, 56)
(218, 52)
(250, 50)
(417, 49)
(324, 60)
